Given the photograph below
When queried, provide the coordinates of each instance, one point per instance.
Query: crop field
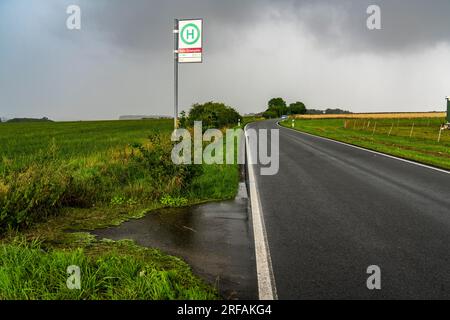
(24, 143)
(418, 139)
(79, 176)
(400, 115)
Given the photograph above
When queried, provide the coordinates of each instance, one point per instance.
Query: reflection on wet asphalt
(215, 239)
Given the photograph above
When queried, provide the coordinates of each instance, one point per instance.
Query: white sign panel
(190, 41)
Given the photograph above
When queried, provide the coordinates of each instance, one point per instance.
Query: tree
(213, 115)
(314, 111)
(277, 102)
(297, 108)
(270, 114)
(336, 111)
(276, 108)
(183, 119)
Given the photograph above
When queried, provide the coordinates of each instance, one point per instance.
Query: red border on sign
(190, 50)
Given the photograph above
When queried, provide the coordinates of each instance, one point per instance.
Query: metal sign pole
(448, 109)
(187, 48)
(175, 72)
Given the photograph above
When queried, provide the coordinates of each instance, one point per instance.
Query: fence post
(390, 131)
(412, 129)
(440, 133)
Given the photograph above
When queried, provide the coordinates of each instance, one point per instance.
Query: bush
(157, 159)
(276, 108)
(297, 108)
(35, 192)
(270, 114)
(213, 115)
(31, 194)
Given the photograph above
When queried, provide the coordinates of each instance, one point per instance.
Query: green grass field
(413, 139)
(80, 176)
(23, 143)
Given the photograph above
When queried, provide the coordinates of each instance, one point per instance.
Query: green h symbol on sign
(190, 34)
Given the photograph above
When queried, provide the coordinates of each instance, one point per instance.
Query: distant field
(401, 115)
(23, 143)
(410, 138)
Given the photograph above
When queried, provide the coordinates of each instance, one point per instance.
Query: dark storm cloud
(406, 24)
(143, 24)
(120, 62)
(147, 24)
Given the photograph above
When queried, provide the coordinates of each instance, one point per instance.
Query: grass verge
(58, 180)
(411, 139)
(108, 270)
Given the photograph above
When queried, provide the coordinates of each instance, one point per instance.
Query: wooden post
(390, 131)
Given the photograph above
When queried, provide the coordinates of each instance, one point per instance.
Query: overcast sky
(319, 52)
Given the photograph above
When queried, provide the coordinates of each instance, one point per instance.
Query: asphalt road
(333, 210)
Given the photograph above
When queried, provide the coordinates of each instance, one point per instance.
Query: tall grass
(91, 172)
(27, 272)
(119, 162)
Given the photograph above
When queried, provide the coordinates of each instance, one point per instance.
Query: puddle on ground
(214, 238)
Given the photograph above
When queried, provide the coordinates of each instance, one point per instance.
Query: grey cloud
(121, 62)
(406, 25)
(147, 24)
(144, 25)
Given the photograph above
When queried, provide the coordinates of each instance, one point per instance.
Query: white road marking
(266, 281)
(368, 150)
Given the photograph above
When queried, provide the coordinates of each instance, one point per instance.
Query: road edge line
(266, 280)
(368, 150)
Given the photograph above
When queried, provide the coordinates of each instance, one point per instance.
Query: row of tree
(277, 107)
(328, 111)
(14, 120)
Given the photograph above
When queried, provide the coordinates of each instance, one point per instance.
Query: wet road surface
(334, 210)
